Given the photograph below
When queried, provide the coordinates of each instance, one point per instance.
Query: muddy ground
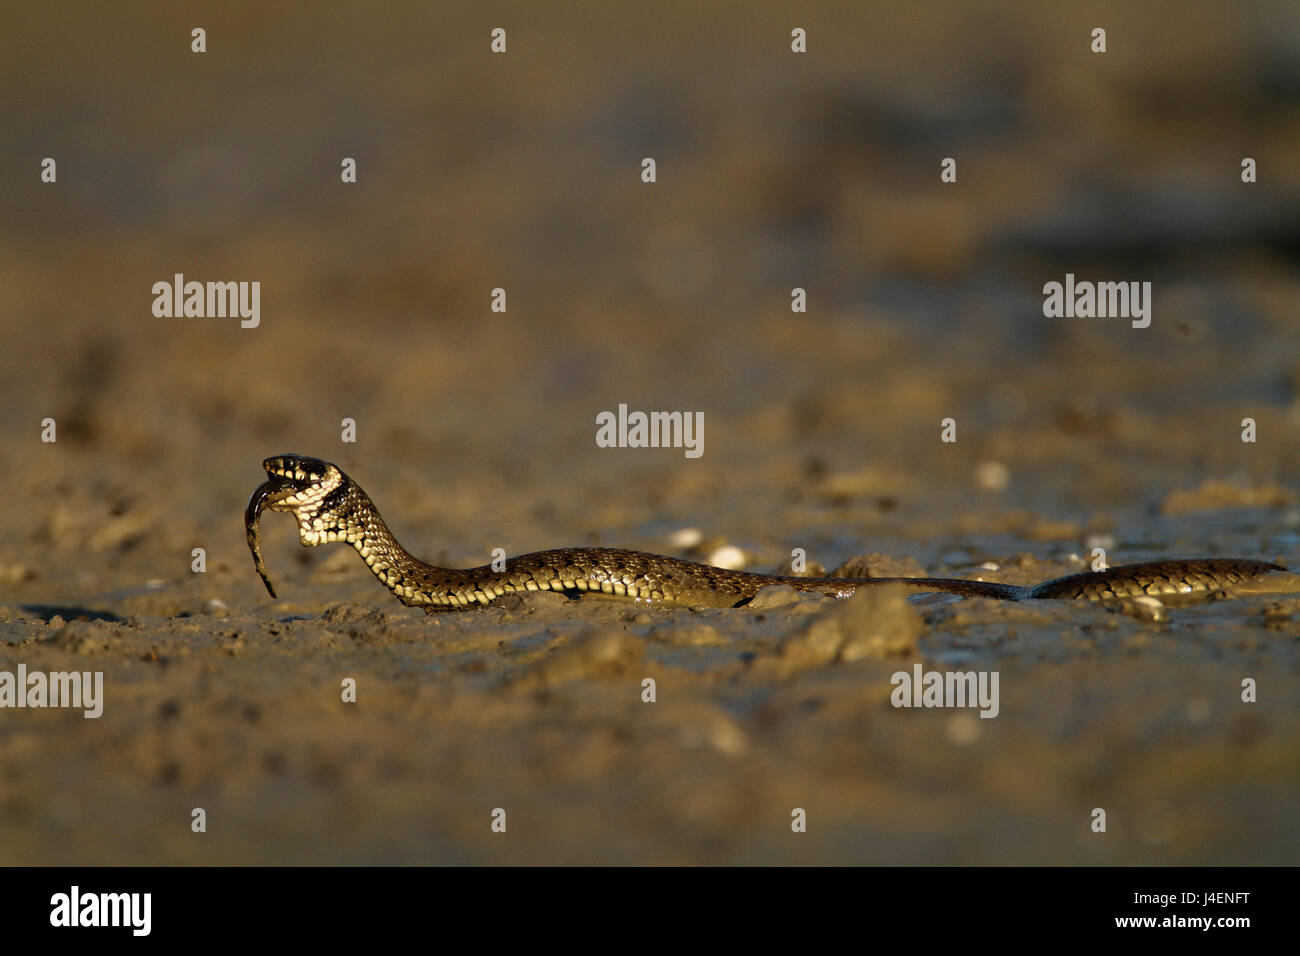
(476, 430)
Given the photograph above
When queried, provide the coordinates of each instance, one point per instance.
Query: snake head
(302, 477)
(299, 485)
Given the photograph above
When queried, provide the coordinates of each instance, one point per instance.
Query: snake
(330, 507)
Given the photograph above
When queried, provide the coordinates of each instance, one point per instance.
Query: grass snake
(329, 506)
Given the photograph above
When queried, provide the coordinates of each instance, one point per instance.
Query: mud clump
(876, 622)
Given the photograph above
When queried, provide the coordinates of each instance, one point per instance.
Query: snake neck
(348, 515)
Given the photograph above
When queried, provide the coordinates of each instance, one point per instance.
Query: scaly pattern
(329, 506)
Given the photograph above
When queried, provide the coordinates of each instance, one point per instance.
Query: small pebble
(1146, 608)
(728, 738)
(720, 733)
(728, 556)
(992, 475)
(683, 539)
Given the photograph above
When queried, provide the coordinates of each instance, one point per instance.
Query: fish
(266, 493)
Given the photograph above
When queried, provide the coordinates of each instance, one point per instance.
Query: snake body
(329, 506)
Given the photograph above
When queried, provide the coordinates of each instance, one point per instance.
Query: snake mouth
(268, 494)
(296, 484)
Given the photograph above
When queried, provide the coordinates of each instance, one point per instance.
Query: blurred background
(476, 429)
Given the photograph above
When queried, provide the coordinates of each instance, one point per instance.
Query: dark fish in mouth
(268, 491)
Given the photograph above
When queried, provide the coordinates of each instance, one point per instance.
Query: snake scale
(329, 506)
